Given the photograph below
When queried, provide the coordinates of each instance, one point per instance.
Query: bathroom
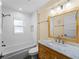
(39, 29)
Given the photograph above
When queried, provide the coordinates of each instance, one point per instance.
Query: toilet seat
(33, 51)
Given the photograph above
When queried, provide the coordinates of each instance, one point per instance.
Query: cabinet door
(64, 57)
(47, 55)
(60, 56)
(52, 54)
(41, 52)
(53, 57)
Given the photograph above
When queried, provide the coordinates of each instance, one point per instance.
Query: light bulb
(59, 9)
(52, 11)
(68, 5)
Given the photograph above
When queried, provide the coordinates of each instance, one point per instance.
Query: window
(18, 26)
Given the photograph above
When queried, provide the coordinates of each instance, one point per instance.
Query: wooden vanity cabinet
(47, 53)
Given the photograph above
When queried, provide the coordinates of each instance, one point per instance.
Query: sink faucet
(59, 40)
(62, 41)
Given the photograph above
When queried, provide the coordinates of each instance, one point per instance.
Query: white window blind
(18, 26)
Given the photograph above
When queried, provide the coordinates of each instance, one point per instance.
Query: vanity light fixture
(52, 11)
(68, 5)
(61, 8)
(58, 8)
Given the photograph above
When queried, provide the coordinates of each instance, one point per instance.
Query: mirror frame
(77, 27)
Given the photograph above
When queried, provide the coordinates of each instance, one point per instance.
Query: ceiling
(27, 6)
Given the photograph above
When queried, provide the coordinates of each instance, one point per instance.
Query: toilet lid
(33, 50)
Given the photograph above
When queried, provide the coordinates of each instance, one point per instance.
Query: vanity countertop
(65, 49)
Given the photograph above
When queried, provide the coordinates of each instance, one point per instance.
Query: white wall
(34, 23)
(0, 25)
(14, 41)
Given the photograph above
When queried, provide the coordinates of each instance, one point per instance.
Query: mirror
(70, 24)
(58, 26)
(51, 26)
(64, 25)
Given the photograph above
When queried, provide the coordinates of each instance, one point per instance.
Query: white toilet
(33, 51)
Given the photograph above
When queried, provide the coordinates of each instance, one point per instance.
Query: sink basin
(53, 44)
(63, 47)
(60, 46)
(69, 49)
